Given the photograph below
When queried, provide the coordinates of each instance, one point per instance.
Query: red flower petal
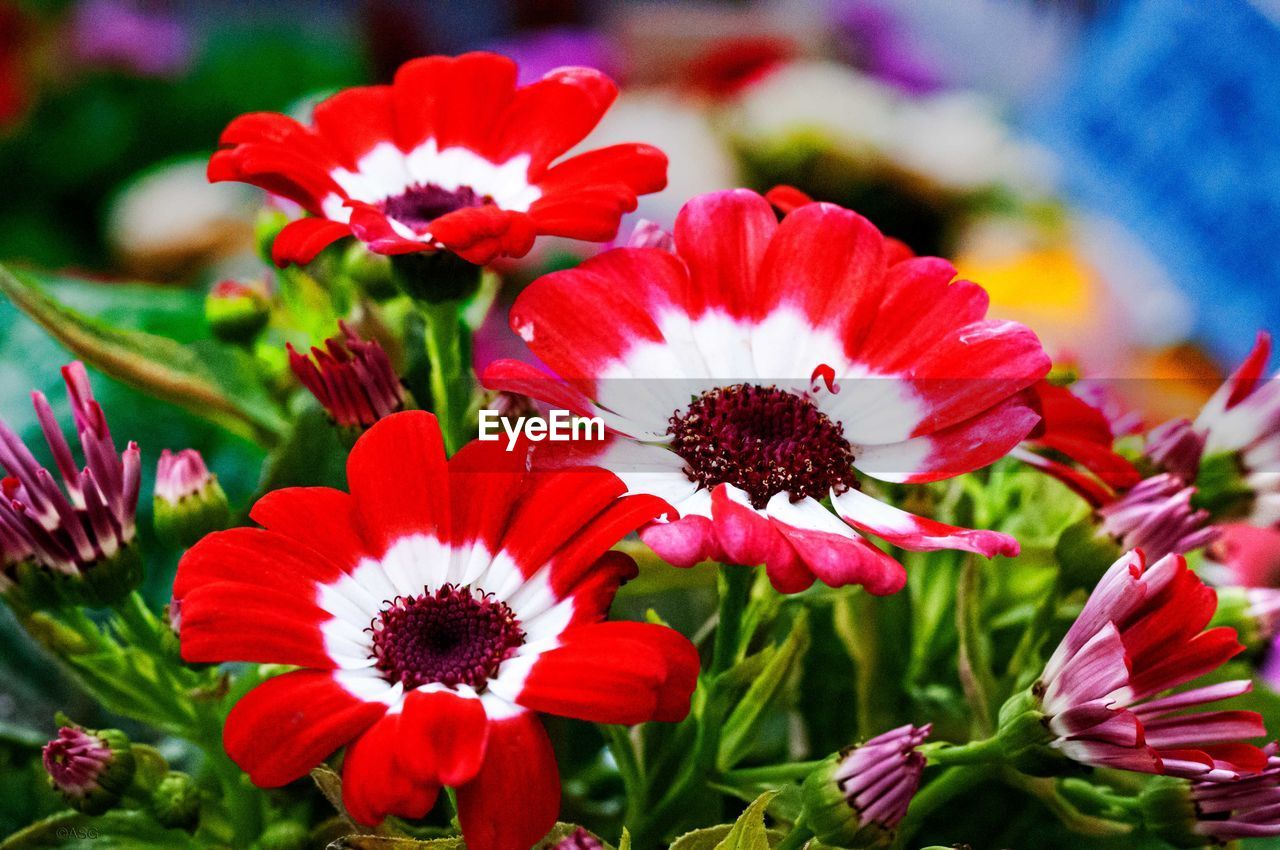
(354, 121)
(916, 533)
(955, 450)
(828, 262)
(441, 738)
(287, 725)
(545, 119)
(831, 551)
(301, 240)
(481, 234)
(226, 621)
(722, 238)
(452, 100)
(583, 679)
(399, 478)
(514, 799)
(372, 788)
(321, 519)
(584, 196)
(684, 542)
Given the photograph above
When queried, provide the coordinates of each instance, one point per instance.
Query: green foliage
(115, 830)
(747, 833)
(208, 380)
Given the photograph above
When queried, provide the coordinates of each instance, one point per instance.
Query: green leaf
(386, 842)
(214, 382)
(769, 686)
(975, 655)
(747, 833)
(624, 843)
(115, 830)
(330, 785)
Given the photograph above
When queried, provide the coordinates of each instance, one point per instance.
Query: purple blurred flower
(878, 44)
(124, 36)
(544, 50)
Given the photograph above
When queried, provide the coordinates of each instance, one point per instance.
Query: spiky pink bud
(352, 378)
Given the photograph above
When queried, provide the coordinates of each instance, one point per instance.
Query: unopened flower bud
(176, 801)
(236, 312)
(91, 770)
(858, 796)
(352, 378)
(189, 502)
(579, 839)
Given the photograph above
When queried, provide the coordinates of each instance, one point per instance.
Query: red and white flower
(1243, 418)
(453, 155)
(1141, 634)
(433, 610)
(762, 367)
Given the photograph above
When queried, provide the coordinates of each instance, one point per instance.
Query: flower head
(91, 770)
(763, 367)
(1142, 633)
(90, 519)
(1240, 427)
(352, 378)
(1157, 517)
(433, 610)
(860, 796)
(453, 155)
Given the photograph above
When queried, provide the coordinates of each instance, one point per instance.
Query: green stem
(795, 839)
(448, 350)
(986, 751)
(734, 584)
(940, 790)
(774, 773)
(623, 750)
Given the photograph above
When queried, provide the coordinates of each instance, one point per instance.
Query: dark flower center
(764, 441)
(423, 203)
(454, 636)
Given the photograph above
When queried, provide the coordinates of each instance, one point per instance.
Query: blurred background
(1108, 171)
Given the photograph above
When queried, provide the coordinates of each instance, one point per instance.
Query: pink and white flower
(90, 518)
(1141, 634)
(763, 367)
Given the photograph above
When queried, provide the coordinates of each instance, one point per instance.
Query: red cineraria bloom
(452, 155)
(1142, 633)
(433, 610)
(762, 366)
